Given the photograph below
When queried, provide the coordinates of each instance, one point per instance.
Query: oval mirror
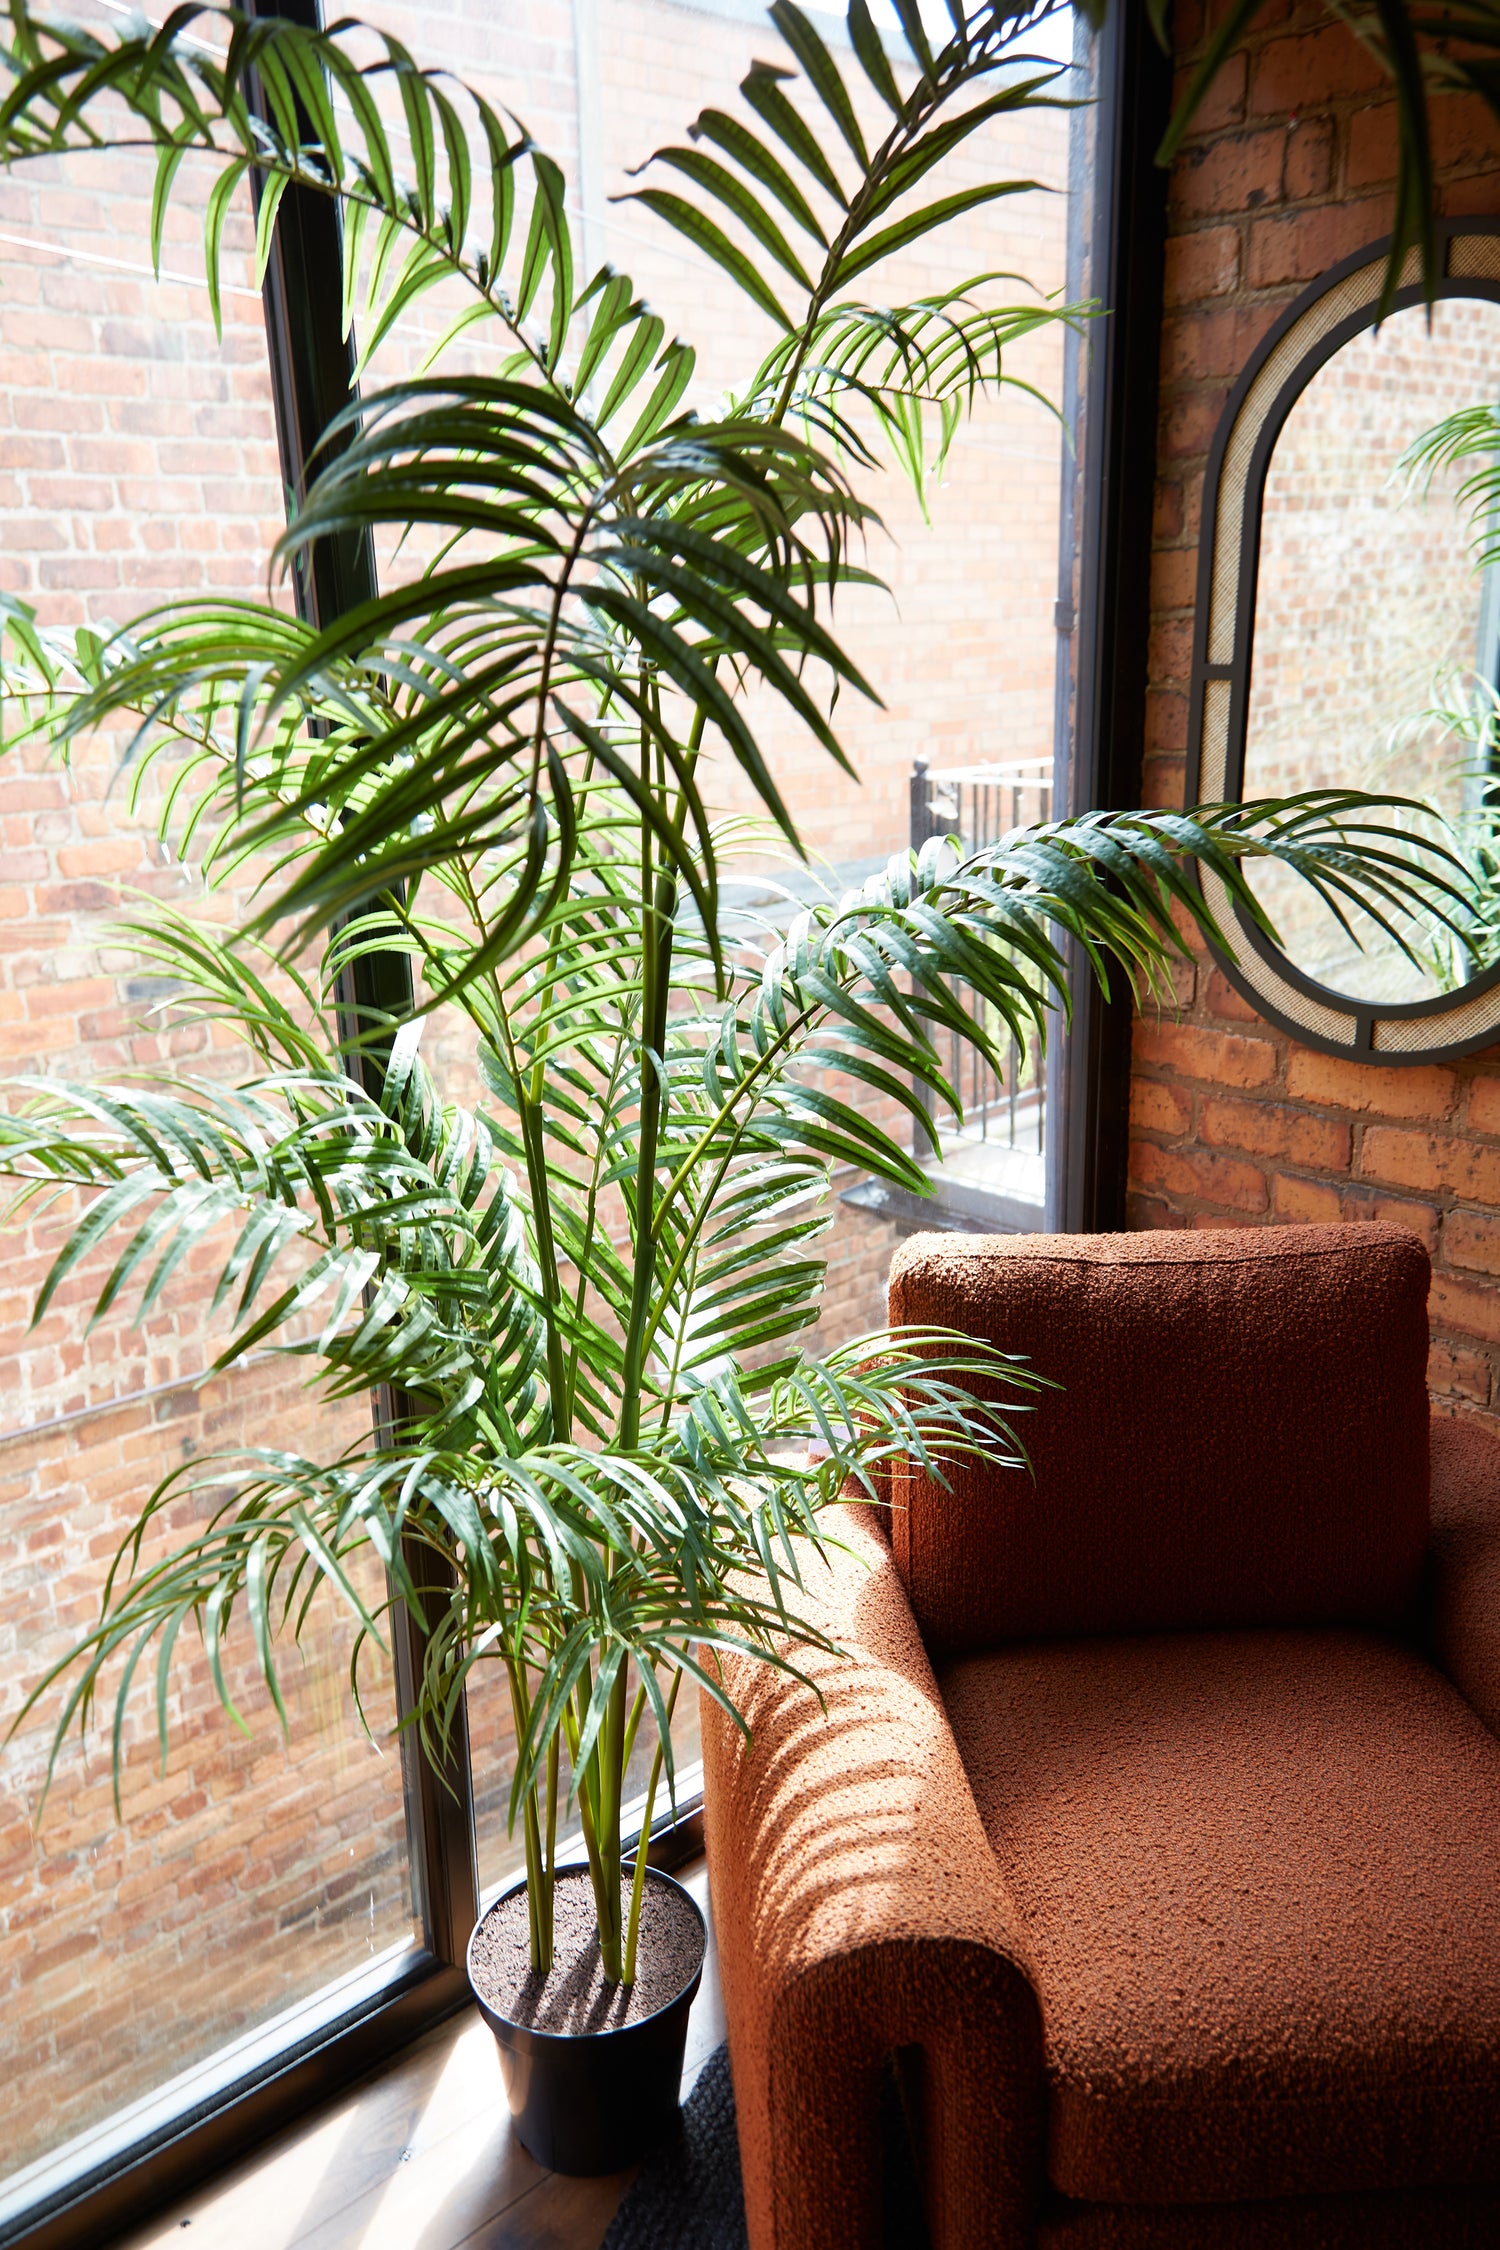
(1347, 637)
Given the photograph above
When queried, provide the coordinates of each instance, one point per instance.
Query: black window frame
(1116, 399)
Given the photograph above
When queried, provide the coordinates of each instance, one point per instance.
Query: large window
(156, 1966)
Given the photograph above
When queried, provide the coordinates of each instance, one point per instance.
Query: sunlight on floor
(421, 2157)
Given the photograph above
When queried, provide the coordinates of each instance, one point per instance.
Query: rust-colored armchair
(1155, 1804)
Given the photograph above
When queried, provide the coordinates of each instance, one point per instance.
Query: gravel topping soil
(574, 1996)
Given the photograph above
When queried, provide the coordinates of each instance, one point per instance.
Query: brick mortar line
(199, 1382)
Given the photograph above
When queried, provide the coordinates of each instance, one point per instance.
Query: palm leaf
(592, 1288)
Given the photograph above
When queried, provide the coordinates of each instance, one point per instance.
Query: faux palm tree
(585, 1300)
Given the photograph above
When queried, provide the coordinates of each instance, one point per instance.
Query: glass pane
(138, 462)
(1374, 630)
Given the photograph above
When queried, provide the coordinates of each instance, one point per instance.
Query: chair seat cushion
(1259, 1873)
(1433, 2219)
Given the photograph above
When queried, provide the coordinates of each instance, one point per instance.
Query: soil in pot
(574, 1996)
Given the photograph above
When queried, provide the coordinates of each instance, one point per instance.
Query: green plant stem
(602, 1148)
(538, 1876)
(534, 1142)
(553, 1762)
(530, 1117)
(638, 1880)
(549, 647)
(537, 1901)
(586, 1785)
(611, 1933)
(636, 1709)
(659, 903)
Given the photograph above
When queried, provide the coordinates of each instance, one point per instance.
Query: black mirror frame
(1335, 308)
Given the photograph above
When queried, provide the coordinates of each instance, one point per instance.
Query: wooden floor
(419, 2158)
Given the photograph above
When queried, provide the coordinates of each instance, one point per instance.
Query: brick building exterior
(1233, 1124)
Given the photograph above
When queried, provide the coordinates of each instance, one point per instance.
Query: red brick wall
(1291, 168)
(237, 1882)
(138, 459)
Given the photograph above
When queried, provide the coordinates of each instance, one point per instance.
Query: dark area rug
(687, 2196)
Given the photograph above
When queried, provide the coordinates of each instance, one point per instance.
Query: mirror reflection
(1376, 648)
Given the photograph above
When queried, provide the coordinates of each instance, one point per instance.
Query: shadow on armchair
(1153, 1810)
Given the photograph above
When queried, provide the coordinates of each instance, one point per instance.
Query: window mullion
(312, 375)
(1127, 253)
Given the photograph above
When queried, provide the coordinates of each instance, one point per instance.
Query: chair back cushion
(1240, 1437)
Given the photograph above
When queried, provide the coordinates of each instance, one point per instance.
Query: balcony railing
(993, 1163)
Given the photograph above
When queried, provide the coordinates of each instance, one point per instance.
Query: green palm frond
(590, 1285)
(837, 354)
(435, 202)
(905, 365)
(1472, 433)
(862, 186)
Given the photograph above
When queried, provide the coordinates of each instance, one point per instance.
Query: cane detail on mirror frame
(1348, 631)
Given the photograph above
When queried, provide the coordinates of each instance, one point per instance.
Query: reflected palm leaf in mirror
(1347, 637)
(1469, 702)
(1376, 629)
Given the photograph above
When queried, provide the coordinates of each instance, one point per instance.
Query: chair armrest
(1464, 1562)
(859, 1909)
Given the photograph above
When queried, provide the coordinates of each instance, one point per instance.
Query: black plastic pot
(588, 2102)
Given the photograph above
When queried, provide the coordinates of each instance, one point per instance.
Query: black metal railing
(1004, 1110)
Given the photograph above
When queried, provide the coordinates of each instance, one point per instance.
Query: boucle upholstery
(858, 1908)
(1259, 1876)
(1311, 1798)
(1183, 1357)
(1442, 2219)
(1464, 1563)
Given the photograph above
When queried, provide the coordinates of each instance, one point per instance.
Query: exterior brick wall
(138, 460)
(249, 1873)
(1233, 1124)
